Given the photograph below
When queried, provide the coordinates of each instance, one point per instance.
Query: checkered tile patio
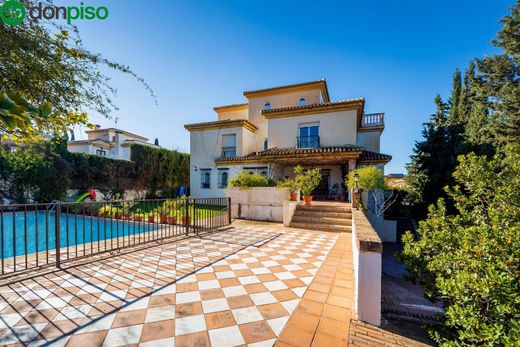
(231, 288)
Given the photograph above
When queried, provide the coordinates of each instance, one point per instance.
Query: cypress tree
(456, 94)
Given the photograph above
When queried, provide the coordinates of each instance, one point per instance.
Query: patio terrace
(255, 284)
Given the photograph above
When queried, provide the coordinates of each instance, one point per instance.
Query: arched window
(205, 178)
(266, 143)
(301, 102)
(267, 106)
(224, 179)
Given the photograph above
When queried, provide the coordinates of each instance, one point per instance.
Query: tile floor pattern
(213, 290)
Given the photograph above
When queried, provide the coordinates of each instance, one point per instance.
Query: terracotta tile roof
(227, 123)
(314, 106)
(374, 156)
(116, 130)
(365, 155)
(230, 107)
(293, 151)
(321, 82)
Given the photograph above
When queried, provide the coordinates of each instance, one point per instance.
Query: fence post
(187, 211)
(57, 231)
(229, 209)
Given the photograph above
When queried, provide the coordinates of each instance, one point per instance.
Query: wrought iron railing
(36, 235)
(308, 141)
(229, 152)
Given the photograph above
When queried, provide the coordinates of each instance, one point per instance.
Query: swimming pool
(74, 230)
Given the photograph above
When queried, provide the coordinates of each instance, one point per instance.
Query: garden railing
(36, 235)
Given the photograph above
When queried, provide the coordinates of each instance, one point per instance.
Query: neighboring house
(111, 143)
(279, 128)
(396, 180)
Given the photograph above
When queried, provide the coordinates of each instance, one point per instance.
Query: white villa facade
(279, 128)
(110, 142)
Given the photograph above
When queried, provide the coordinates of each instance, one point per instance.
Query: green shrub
(307, 180)
(471, 260)
(109, 211)
(247, 180)
(370, 178)
(287, 183)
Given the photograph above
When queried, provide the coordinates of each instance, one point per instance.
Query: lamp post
(356, 179)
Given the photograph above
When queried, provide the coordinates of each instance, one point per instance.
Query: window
(266, 143)
(223, 178)
(262, 170)
(101, 152)
(309, 135)
(301, 102)
(267, 106)
(205, 178)
(229, 146)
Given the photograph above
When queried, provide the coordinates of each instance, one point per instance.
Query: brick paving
(255, 284)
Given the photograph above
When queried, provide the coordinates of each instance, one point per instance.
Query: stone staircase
(323, 218)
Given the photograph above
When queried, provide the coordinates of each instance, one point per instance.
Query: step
(322, 227)
(317, 214)
(323, 208)
(322, 220)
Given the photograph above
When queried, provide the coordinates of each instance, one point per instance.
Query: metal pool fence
(35, 235)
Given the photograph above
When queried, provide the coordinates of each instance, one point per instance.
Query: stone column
(356, 198)
(351, 167)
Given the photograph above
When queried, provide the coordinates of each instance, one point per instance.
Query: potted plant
(185, 216)
(163, 215)
(172, 220)
(151, 217)
(307, 181)
(137, 216)
(291, 184)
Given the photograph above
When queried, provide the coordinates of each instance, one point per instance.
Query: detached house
(110, 142)
(279, 128)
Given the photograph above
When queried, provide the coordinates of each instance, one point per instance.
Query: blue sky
(201, 54)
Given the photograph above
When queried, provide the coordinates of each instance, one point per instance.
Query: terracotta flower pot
(171, 220)
(293, 196)
(117, 215)
(127, 216)
(186, 220)
(138, 218)
(163, 218)
(307, 199)
(151, 219)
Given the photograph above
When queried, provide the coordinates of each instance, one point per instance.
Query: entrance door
(322, 191)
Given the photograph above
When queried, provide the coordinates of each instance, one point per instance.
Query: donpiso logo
(13, 12)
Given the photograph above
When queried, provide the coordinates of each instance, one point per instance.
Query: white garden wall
(261, 203)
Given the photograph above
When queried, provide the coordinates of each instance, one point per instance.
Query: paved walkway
(254, 284)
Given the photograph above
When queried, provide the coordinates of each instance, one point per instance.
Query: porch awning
(320, 155)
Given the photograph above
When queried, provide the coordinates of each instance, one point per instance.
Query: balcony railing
(229, 152)
(373, 120)
(308, 141)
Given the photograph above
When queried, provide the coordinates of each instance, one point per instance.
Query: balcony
(373, 120)
(229, 152)
(308, 141)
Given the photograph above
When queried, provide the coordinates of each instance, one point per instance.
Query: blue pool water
(79, 230)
